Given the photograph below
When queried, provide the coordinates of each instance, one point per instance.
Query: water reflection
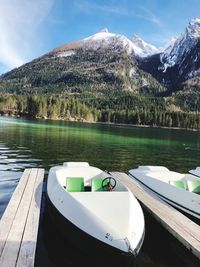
(35, 143)
(13, 160)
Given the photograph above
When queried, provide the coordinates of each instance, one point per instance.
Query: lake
(42, 143)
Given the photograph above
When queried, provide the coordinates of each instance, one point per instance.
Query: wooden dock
(19, 223)
(182, 228)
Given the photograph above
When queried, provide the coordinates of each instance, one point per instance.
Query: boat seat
(75, 184)
(97, 185)
(179, 184)
(194, 186)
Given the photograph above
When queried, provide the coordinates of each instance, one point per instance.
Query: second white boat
(180, 190)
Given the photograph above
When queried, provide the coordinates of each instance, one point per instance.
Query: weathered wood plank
(181, 227)
(12, 246)
(20, 241)
(28, 246)
(10, 212)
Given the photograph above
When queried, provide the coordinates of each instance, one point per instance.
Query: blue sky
(30, 28)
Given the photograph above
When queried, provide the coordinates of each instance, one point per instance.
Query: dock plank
(28, 247)
(180, 226)
(21, 235)
(10, 212)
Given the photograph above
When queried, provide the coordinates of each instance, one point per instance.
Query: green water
(119, 148)
(39, 143)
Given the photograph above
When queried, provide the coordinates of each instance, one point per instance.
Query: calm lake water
(39, 143)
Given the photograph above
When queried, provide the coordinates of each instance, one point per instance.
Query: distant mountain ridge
(143, 49)
(107, 61)
(102, 62)
(107, 40)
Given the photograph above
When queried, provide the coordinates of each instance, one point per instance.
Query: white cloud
(19, 29)
(150, 16)
(90, 7)
(136, 11)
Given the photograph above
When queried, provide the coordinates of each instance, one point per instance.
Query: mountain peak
(195, 21)
(102, 34)
(137, 40)
(104, 30)
(136, 37)
(182, 47)
(143, 49)
(193, 28)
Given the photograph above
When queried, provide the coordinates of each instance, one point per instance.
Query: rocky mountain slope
(108, 62)
(180, 62)
(142, 49)
(100, 63)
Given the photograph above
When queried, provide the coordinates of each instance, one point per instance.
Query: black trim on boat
(194, 174)
(190, 212)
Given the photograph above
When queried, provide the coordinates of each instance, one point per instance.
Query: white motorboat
(180, 190)
(95, 211)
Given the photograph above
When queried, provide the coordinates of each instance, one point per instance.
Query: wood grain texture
(21, 220)
(181, 227)
(10, 212)
(28, 246)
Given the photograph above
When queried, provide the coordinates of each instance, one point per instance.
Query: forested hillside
(125, 108)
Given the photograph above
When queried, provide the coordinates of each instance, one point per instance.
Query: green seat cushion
(96, 185)
(179, 184)
(194, 186)
(75, 184)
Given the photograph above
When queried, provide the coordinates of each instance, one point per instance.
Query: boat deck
(20, 221)
(180, 226)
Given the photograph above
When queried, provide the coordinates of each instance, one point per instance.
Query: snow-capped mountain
(180, 61)
(107, 40)
(142, 49)
(104, 39)
(176, 53)
(104, 61)
(109, 60)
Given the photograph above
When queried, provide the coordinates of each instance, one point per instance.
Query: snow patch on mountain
(177, 50)
(144, 82)
(103, 34)
(142, 49)
(133, 73)
(193, 73)
(66, 53)
(193, 29)
(104, 39)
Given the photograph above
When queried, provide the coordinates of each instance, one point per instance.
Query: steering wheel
(108, 183)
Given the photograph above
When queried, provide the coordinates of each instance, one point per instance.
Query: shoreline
(148, 126)
(104, 123)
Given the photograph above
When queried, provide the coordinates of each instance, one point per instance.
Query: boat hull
(166, 197)
(83, 241)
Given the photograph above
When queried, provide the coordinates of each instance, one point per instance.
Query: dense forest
(125, 108)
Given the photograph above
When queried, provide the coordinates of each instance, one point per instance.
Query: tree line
(130, 109)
